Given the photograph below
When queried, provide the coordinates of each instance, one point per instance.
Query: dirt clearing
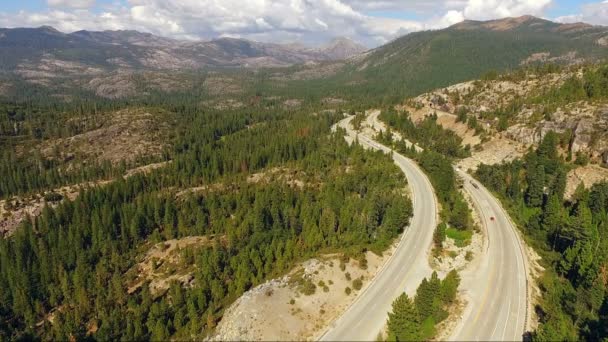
(279, 310)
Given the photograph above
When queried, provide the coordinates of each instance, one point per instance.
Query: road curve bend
(496, 288)
(495, 284)
(405, 269)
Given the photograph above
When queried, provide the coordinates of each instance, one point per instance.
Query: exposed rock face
(543, 57)
(603, 41)
(586, 122)
(523, 134)
(582, 136)
(278, 310)
(583, 131)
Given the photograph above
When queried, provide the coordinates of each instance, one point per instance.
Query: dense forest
(427, 134)
(570, 235)
(65, 275)
(440, 148)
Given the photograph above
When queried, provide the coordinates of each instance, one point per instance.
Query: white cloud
(308, 21)
(416, 6)
(71, 3)
(450, 18)
(490, 9)
(592, 13)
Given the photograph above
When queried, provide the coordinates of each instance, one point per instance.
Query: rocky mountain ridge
(513, 112)
(21, 47)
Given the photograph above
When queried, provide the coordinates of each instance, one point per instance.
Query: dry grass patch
(124, 136)
(163, 264)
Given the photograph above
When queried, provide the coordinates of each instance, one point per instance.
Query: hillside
(536, 137)
(422, 61)
(501, 117)
(237, 197)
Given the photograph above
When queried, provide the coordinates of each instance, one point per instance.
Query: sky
(310, 22)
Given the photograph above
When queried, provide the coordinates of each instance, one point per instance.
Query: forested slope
(66, 274)
(422, 61)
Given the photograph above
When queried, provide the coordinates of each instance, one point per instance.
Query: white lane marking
(504, 330)
(499, 239)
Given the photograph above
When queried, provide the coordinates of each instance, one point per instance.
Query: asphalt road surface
(494, 284)
(406, 268)
(496, 287)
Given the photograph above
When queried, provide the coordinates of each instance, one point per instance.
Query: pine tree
(558, 187)
(160, 331)
(553, 218)
(460, 215)
(514, 188)
(536, 183)
(449, 287)
(403, 321)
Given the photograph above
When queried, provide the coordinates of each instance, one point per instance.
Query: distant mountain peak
(229, 39)
(342, 48)
(503, 24)
(342, 40)
(49, 29)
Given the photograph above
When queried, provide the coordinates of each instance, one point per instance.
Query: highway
(495, 285)
(405, 269)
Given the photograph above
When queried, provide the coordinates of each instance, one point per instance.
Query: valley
(448, 184)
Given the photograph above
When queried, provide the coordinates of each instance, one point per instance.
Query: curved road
(496, 286)
(495, 283)
(405, 269)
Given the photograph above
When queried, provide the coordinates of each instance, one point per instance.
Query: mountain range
(120, 63)
(137, 50)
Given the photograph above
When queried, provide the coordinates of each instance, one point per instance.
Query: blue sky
(14, 6)
(309, 21)
(564, 7)
(28, 5)
(559, 8)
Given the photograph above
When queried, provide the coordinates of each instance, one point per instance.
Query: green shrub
(461, 238)
(53, 197)
(357, 284)
(581, 159)
(307, 287)
(363, 262)
(439, 235)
